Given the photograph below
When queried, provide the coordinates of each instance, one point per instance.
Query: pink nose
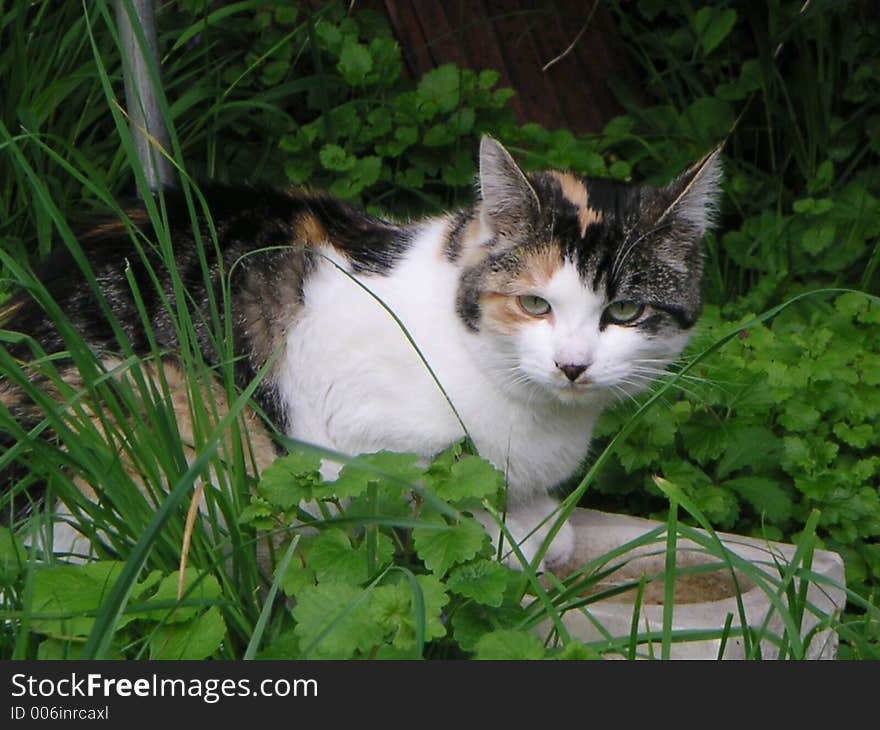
(572, 372)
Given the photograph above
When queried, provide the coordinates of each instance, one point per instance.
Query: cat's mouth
(573, 391)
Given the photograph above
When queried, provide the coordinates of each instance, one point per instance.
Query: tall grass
(67, 147)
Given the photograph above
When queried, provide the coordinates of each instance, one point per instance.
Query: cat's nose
(572, 371)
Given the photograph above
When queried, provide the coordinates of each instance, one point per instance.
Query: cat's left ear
(690, 202)
(509, 205)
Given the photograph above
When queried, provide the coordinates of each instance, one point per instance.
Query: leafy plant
(772, 426)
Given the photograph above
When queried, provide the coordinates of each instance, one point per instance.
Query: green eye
(535, 306)
(624, 312)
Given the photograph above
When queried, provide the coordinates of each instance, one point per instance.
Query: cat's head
(577, 287)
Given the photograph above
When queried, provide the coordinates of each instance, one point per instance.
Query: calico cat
(535, 308)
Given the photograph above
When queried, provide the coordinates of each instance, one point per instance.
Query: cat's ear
(690, 202)
(510, 205)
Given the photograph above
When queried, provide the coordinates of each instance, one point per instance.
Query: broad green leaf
(258, 513)
(333, 157)
(355, 62)
(753, 446)
(198, 591)
(799, 416)
(334, 621)
(291, 480)
(53, 649)
(389, 471)
(576, 651)
(859, 436)
(704, 437)
(510, 644)
(386, 61)
(469, 478)
(393, 609)
(197, 638)
(483, 580)
(817, 238)
(366, 171)
(285, 646)
(63, 594)
(823, 178)
(334, 559)
(442, 86)
(450, 544)
(767, 496)
(713, 25)
(718, 504)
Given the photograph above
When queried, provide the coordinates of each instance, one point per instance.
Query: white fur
(351, 381)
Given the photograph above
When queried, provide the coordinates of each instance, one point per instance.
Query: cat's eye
(535, 306)
(624, 311)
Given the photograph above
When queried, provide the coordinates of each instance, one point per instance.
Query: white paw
(561, 550)
(528, 526)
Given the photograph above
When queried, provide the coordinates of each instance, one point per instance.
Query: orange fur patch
(501, 312)
(540, 266)
(309, 229)
(576, 193)
(9, 311)
(135, 216)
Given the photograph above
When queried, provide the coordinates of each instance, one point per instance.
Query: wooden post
(141, 95)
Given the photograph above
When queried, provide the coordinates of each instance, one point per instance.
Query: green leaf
(858, 437)
(446, 545)
(12, 556)
(393, 608)
(718, 504)
(823, 178)
(461, 121)
(69, 592)
(620, 170)
(198, 590)
(257, 513)
(390, 471)
(577, 651)
(713, 25)
(469, 478)
(296, 577)
(366, 171)
(799, 416)
(291, 480)
(333, 157)
(767, 496)
(334, 559)
(334, 621)
(704, 437)
(286, 14)
(817, 238)
(355, 62)
(442, 86)
(753, 446)
(483, 580)
(510, 644)
(198, 638)
(386, 61)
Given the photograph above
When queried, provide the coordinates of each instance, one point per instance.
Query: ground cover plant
(767, 427)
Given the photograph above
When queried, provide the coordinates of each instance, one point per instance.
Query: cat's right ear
(510, 206)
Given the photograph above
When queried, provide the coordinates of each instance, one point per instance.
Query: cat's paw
(561, 550)
(528, 526)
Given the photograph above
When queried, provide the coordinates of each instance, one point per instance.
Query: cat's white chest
(352, 381)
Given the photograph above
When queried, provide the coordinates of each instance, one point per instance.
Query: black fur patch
(263, 237)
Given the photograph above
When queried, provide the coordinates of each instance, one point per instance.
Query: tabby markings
(502, 313)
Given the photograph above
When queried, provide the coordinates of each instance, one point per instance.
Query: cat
(536, 307)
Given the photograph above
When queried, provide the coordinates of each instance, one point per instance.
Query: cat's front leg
(528, 524)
